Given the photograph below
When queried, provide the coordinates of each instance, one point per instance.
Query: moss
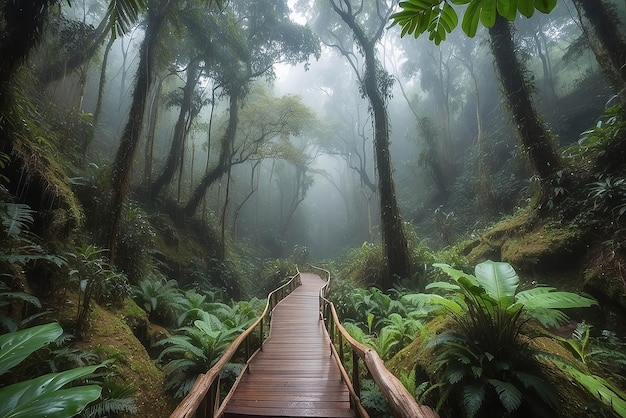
(605, 274)
(545, 243)
(111, 337)
(40, 160)
(528, 244)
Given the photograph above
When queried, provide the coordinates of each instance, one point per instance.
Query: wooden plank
(295, 375)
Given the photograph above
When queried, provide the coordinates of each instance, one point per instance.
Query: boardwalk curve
(295, 374)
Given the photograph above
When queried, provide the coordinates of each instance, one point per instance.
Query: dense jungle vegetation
(459, 166)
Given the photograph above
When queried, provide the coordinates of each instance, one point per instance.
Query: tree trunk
(253, 189)
(535, 138)
(153, 117)
(123, 162)
(174, 158)
(101, 84)
(22, 29)
(606, 30)
(394, 242)
(395, 246)
(224, 161)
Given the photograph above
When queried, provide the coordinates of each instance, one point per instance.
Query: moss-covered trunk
(123, 163)
(535, 137)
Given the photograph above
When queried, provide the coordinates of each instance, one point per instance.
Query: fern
(117, 398)
(16, 218)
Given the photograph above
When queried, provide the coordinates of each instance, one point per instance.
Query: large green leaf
(442, 286)
(499, 280)
(58, 404)
(38, 397)
(456, 274)
(545, 297)
(16, 346)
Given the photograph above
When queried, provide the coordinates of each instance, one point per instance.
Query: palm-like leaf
(123, 14)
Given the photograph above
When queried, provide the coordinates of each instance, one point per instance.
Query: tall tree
(255, 36)
(534, 135)
(439, 18)
(367, 21)
(604, 31)
(122, 165)
(187, 112)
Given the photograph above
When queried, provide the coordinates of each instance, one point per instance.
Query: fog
(309, 181)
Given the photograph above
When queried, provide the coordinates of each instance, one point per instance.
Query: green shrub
(193, 351)
(135, 244)
(161, 299)
(485, 363)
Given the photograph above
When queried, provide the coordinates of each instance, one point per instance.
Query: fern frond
(509, 395)
(17, 217)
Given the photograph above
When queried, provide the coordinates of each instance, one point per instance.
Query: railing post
(261, 334)
(247, 348)
(340, 348)
(356, 383)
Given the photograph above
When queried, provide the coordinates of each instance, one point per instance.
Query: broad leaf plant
(441, 17)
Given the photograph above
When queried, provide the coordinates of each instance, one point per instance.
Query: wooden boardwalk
(294, 375)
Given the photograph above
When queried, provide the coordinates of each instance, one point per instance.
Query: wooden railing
(401, 403)
(204, 399)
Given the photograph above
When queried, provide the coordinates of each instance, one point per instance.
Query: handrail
(400, 401)
(204, 398)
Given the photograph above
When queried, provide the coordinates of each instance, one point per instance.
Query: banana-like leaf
(499, 280)
(16, 346)
(23, 399)
(446, 303)
(456, 274)
(58, 404)
(545, 6)
(442, 286)
(544, 297)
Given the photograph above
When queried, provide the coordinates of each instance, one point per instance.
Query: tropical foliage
(194, 350)
(47, 395)
(486, 362)
(439, 17)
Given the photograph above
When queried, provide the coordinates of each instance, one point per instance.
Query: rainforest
(450, 174)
